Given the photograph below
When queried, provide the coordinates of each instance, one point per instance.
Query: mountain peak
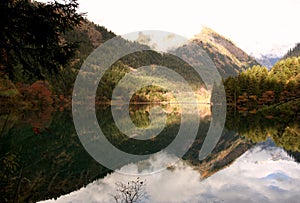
(209, 35)
(228, 58)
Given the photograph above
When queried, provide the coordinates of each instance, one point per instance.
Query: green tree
(31, 43)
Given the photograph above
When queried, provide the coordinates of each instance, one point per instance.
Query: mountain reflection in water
(252, 162)
(263, 174)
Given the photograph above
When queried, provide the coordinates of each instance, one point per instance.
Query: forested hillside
(294, 52)
(42, 46)
(42, 64)
(256, 87)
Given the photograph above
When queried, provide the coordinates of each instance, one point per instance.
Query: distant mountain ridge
(268, 60)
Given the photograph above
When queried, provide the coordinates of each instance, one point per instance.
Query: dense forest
(256, 87)
(40, 60)
(39, 66)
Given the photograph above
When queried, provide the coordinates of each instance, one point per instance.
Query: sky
(256, 26)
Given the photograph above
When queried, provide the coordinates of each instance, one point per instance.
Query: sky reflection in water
(262, 174)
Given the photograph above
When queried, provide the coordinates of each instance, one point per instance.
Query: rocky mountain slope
(228, 58)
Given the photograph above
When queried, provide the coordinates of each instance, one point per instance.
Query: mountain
(276, 54)
(293, 52)
(88, 36)
(268, 60)
(269, 56)
(228, 58)
(228, 149)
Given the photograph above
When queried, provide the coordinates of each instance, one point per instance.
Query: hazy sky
(254, 25)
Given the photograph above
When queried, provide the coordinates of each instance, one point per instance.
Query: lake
(256, 159)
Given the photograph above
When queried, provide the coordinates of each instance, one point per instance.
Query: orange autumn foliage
(39, 93)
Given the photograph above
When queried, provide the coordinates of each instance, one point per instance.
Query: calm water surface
(255, 160)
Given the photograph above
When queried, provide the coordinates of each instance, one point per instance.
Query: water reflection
(244, 166)
(263, 174)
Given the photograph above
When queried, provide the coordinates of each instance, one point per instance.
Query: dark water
(255, 160)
